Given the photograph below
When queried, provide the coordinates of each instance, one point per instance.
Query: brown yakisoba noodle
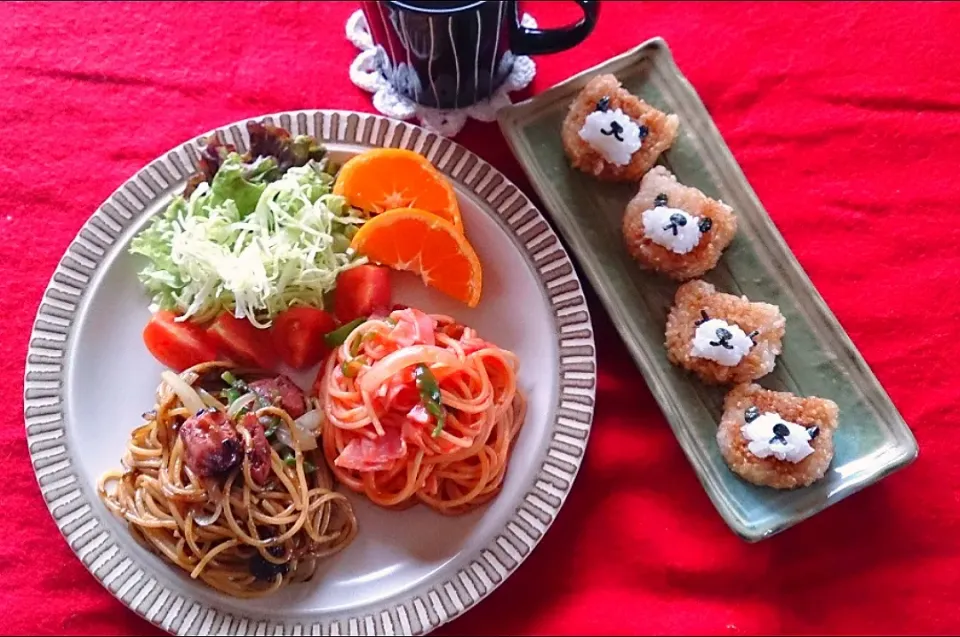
(238, 536)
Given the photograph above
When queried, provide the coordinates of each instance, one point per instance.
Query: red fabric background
(846, 120)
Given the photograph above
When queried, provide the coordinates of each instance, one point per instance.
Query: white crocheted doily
(367, 72)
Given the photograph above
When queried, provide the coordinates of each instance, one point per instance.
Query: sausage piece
(282, 392)
(212, 446)
(259, 450)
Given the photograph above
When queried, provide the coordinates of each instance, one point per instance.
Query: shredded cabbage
(249, 247)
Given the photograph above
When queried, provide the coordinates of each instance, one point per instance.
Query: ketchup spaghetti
(420, 409)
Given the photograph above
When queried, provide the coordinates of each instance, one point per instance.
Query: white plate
(89, 377)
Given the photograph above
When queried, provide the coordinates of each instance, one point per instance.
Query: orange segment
(387, 178)
(421, 242)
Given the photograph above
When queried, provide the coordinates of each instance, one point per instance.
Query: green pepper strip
(353, 366)
(271, 428)
(430, 396)
(339, 335)
(290, 459)
(355, 346)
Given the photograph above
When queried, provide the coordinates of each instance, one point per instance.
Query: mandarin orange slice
(421, 242)
(387, 178)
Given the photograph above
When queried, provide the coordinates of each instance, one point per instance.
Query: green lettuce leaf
(240, 183)
(248, 243)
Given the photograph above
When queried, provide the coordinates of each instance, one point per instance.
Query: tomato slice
(242, 342)
(177, 345)
(361, 291)
(298, 335)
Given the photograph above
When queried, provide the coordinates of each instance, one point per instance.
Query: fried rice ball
(771, 472)
(692, 300)
(661, 186)
(660, 131)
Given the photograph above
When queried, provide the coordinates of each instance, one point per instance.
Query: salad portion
(243, 265)
(269, 255)
(253, 234)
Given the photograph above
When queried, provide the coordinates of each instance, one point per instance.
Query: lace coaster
(366, 73)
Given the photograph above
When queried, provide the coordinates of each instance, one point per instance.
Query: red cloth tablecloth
(846, 120)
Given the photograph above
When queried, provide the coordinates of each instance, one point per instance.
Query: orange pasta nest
(420, 408)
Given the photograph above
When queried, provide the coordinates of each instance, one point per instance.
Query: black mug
(452, 54)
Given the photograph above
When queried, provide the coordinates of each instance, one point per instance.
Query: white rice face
(765, 441)
(612, 134)
(674, 229)
(727, 347)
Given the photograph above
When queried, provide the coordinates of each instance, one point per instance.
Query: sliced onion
(304, 431)
(283, 436)
(214, 494)
(210, 401)
(207, 520)
(239, 404)
(310, 421)
(188, 396)
(307, 443)
(403, 358)
(307, 440)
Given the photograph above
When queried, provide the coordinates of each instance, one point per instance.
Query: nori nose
(678, 219)
(780, 430)
(724, 334)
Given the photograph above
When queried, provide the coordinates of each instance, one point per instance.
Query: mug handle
(527, 41)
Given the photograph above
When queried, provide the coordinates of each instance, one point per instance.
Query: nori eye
(751, 414)
(603, 105)
(643, 131)
(705, 224)
(813, 432)
(660, 200)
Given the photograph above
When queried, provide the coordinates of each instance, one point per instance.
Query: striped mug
(449, 55)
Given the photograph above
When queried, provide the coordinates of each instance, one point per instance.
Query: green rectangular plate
(818, 357)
